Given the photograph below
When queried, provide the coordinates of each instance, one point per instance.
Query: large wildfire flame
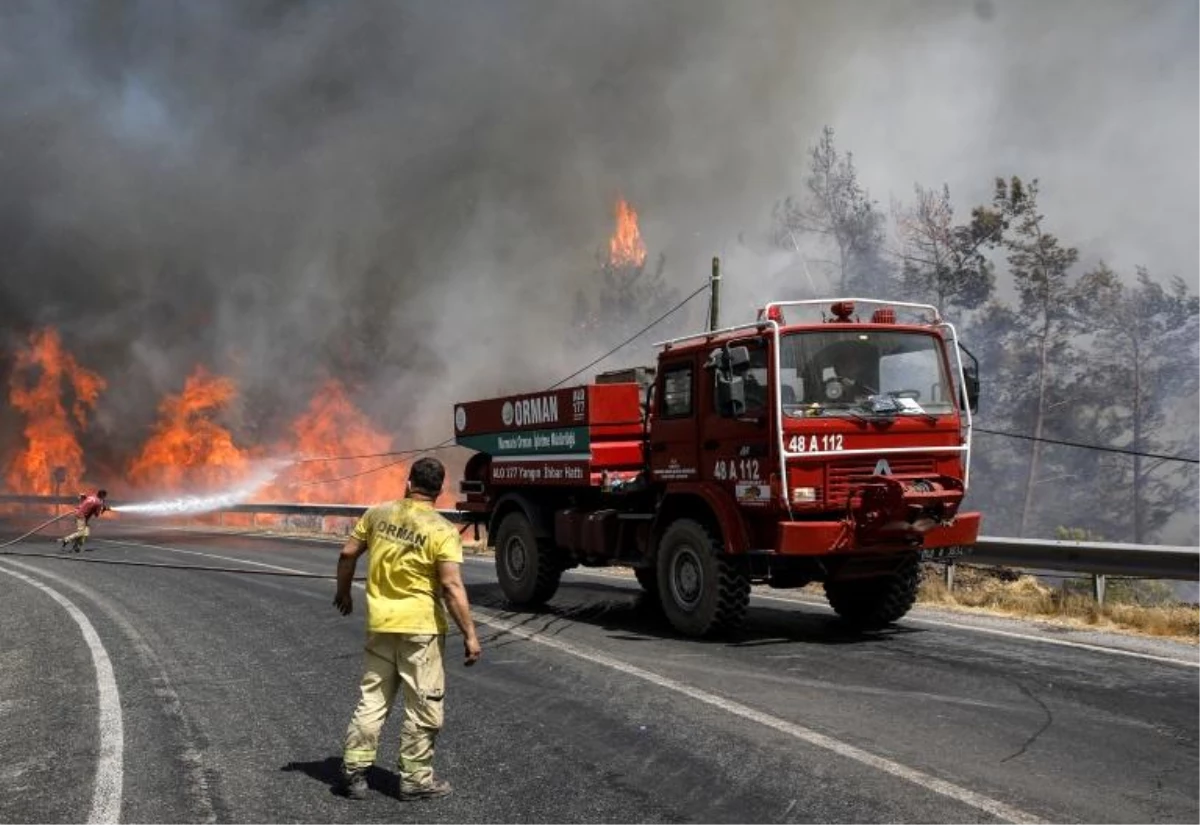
(43, 372)
(333, 426)
(188, 448)
(190, 452)
(625, 247)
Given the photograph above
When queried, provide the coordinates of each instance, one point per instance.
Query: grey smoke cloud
(408, 195)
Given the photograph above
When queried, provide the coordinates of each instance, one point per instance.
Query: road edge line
(110, 761)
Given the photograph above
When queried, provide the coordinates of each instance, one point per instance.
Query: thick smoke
(408, 195)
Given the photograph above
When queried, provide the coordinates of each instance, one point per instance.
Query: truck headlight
(804, 495)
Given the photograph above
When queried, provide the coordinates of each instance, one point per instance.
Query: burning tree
(43, 374)
(333, 426)
(189, 447)
(630, 294)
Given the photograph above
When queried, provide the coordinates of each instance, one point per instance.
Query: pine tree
(943, 263)
(1041, 270)
(838, 210)
(1142, 369)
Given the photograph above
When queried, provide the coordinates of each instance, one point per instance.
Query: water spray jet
(199, 504)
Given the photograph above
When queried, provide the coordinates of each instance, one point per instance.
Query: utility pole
(58, 476)
(714, 312)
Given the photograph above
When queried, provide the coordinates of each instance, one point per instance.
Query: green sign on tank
(565, 441)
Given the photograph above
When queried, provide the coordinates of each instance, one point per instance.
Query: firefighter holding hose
(89, 507)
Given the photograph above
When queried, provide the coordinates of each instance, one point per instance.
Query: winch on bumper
(887, 513)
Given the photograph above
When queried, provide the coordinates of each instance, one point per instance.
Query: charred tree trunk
(1039, 426)
(1138, 478)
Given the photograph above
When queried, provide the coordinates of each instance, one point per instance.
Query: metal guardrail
(1098, 558)
(266, 509)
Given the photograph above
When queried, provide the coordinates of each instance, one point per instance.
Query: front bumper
(821, 538)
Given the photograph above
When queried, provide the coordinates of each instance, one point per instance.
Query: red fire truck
(818, 447)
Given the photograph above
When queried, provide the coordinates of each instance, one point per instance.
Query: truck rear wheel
(701, 593)
(870, 604)
(526, 567)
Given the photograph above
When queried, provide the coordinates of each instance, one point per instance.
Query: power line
(390, 453)
(450, 441)
(633, 337)
(640, 333)
(1062, 443)
(380, 468)
(323, 458)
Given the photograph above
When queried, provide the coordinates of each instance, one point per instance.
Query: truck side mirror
(969, 396)
(972, 392)
(731, 395)
(738, 360)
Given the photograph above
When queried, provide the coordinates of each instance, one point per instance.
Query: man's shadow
(329, 771)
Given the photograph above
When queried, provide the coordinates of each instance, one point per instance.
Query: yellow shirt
(405, 541)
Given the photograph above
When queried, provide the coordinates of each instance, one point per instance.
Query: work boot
(434, 789)
(354, 784)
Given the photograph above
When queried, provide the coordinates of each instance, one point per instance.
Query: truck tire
(648, 578)
(869, 604)
(701, 593)
(526, 567)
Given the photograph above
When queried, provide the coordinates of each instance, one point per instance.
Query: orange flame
(333, 426)
(188, 448)
(35, 389)
(625, 247)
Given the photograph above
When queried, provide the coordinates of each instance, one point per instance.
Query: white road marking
(109, 783)
(812, 737)
(1028, 637)
(940, 786)
(1115, 651)
(165, 691)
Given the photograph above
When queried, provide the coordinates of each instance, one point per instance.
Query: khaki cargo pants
(81, 532)
(414, 663)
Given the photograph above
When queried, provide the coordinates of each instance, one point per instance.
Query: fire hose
(35, 529)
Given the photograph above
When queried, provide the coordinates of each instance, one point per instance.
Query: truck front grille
(843, 476)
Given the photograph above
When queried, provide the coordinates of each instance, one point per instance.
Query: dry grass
(1002, 592)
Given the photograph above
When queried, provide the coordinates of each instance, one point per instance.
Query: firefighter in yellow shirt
(414, 562)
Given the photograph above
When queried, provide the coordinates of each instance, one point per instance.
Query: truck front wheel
(870, 604)
(526, 567)
(701, 593)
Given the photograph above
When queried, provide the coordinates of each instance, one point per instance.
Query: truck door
(673, 433)
(735, 451)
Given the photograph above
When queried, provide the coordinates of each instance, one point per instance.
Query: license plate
(944, 553)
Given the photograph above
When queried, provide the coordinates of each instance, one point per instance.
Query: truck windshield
(835, 373)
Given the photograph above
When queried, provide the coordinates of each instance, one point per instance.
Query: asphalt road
(148, 694)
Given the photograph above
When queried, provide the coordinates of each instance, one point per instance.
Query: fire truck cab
(809, 445)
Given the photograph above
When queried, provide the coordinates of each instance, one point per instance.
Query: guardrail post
(950, 577)
(1098, 589)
